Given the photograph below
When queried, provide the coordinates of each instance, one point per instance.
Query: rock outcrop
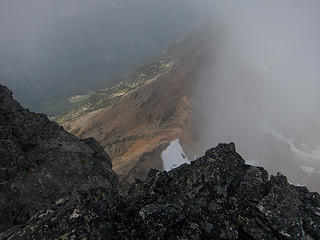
(55, 186)
(40, 163)
(218, 196)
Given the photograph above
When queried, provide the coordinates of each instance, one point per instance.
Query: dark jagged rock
(217, 196)
(41, 163)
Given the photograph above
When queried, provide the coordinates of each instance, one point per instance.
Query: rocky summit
(55, 186)
(40, 163)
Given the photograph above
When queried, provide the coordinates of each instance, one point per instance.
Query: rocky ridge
(217, 196)
(41, 163)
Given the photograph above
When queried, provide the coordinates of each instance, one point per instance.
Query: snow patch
(307, 169)
(253, 162)
(314, 155)
(173, 156)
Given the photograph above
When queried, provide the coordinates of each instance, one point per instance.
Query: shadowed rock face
(218, 196)
(41, 163)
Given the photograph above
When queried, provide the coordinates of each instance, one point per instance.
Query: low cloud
(263, 79)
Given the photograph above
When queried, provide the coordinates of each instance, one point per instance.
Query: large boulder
(40, 163)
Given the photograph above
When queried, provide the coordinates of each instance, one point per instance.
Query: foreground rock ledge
(40, 163)
(218, 196)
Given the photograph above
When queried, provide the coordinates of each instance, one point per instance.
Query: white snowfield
(253, 162)
(313, 156)
(173, 156)
(310, 158)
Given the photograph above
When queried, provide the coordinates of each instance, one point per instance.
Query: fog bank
(262, 86)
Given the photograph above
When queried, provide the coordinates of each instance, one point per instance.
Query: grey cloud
(264, 79)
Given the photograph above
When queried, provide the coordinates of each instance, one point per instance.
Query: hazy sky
(56, 48)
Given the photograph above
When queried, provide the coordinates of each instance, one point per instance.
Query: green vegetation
(63, 105)
(109, 96)
(180, 50)
(81, 98)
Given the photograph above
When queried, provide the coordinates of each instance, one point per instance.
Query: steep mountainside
(175, 97)
(40, 163)
(218, 196)
(51, 50)
(144, 113)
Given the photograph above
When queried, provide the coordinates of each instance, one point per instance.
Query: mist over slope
(261, 87)
(55, 49)
(136, 119)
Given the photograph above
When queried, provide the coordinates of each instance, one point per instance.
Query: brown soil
(140, 126)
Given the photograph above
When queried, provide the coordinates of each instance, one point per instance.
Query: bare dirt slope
(135, 130)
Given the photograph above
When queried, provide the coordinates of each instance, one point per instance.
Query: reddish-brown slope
(138, 128)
